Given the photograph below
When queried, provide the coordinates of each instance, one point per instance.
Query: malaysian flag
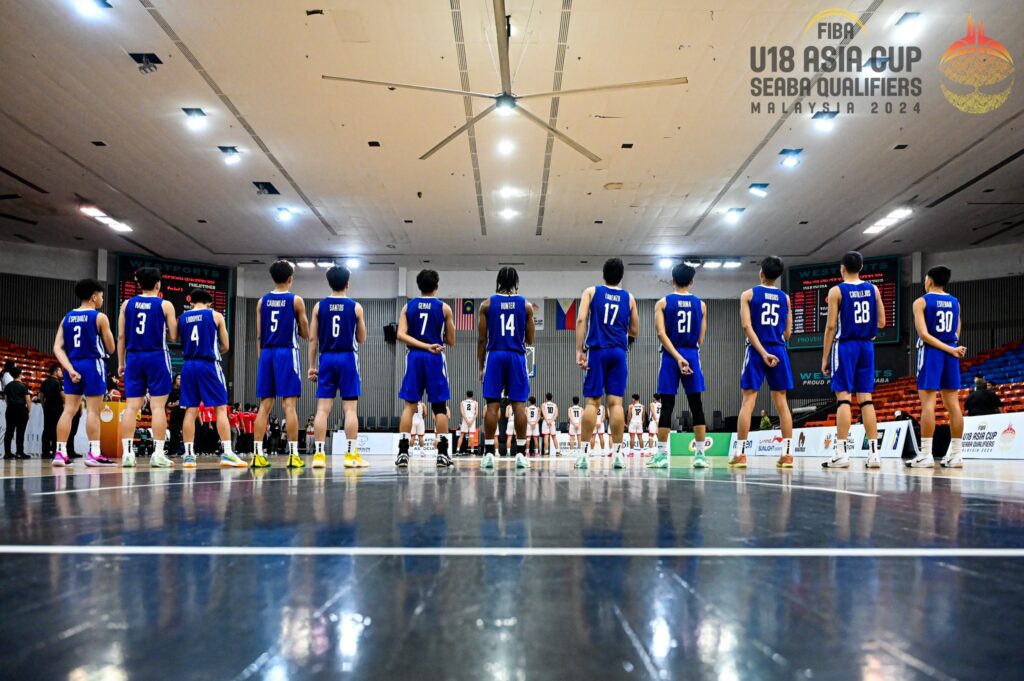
(464, 314)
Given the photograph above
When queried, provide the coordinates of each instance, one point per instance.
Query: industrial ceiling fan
(505, 99)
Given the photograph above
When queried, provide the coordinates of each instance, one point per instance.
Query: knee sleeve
(697, 408)
(843, 403)
(867, 403)
(438, 407)
(668, 406)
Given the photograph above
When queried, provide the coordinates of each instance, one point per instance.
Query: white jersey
(600, 414)
(575, 414)
(655, 409)
(549, 410)
(510, 427)
(420, 411)
(636, 412)
(532, 414)
(469, 409)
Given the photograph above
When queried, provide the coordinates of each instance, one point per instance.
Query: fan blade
(682, 80)
(560, 135)
(501, 28)
(409, 87)
(471, 122)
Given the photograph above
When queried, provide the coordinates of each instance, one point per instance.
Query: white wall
(979, 263)
(46, 261)
(254, 281)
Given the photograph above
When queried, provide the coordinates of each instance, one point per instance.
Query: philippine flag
(565, 318)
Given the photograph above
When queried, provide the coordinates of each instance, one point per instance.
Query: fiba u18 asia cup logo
(978, 71)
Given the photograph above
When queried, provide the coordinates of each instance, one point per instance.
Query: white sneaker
(521, 461)
(128, 460)
(618, 461)
(160, 460)
(487, 461)
(837, 461)
(952, 461)
(581, 461)
(873, 462)
(922, 461)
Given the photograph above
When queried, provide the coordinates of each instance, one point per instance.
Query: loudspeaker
(391, 333)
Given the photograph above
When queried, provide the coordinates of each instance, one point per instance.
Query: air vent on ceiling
(99, 143)
(15, 218)
(803, 222)
(627, 145)
(598, 222)
(379, 263)
(408, 222)
(510, 264)
(640, 264)
(987, 191)
(143, 58)
(901, 147)
(264, 188)
(15, 176)
(201, 221)
(373, 143)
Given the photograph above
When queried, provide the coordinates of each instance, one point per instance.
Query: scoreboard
(808, 290)
(179, 278)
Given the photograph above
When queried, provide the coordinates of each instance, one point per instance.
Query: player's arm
(481, 335)
(831, 322)
(789, 320)
(403, 333)
(921, 325)
(530, 327)
(360, 324)
(703, 322)
(259, 327)
(666, 342)
(634, 318)
(222, 332)
(172, 321)
(103, 328)
(314, 342)
(62, 356)
(748, 326)
(881, 308)
(463, 411)
(121, 339)
(555, 419)
(300, 317)
(449, 327)
(581, 321)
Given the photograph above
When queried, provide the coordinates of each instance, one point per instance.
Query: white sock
(226, 444)
(190, 449)
(787, 445)
(743, 446)
(663, 447)
(319, 446)
(873, 447)
(158, 447)
(618, 449)
(841, 447)
(586, 448)
(259, 448)
(94, 448)
(955, 445)
(293, 447)
(926, 446)
(698, 446)
(62, 448)
(126, 445)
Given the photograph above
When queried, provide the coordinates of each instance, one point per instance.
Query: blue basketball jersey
(81, 337)
(769, 314)
(336, 325)
(608, 326)
(506, 323)
(199, 338)
(145, 325)
(942, 315)
(425, 319)
(858, 312)
(683, 319)
(278, 326)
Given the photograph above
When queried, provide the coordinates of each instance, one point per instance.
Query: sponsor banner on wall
(821, 442)
(996, 436)
(715, 444)
(538, 305)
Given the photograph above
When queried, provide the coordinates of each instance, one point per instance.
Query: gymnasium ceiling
(254, 66)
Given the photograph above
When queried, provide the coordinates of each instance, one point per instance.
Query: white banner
(538, 305)
(821, 442)
(996, 436)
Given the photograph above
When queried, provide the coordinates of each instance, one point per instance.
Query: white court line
(515, 551)
(240, 479)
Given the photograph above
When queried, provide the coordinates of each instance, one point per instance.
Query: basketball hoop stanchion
(531, 361)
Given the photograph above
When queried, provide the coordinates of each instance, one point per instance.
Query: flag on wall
(565, 314)
(464, 314)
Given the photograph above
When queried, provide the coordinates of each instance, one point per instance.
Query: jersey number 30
(944, 321)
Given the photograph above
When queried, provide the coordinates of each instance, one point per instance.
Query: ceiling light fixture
(693, 263)
(759, 189)
(283, 214)
(504, 105)
(326, 264)
(825, 121)
(732, 264)
(231, 155)
(196, 118)
(665, 263)
(115, 225)
(306, 264)
(712, 264)
(91, 8)
(352, 263)
(508, 213)
(733, 215)
(507, 192)
(791, 157)
(92, 211)
(506, 147)
(889, 220)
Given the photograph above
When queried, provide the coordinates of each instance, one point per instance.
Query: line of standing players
(608, 321)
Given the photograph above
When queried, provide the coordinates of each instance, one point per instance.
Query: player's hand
(581, 359)
(75, 376)
(684, 367)
(770, 359)
(825, 368)
(437, 349)
(959, 351)
(120, 370)
(481, 375)
(313, 374)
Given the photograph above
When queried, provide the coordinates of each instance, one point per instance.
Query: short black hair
(853, 261)
(940, 275)
(86, 288)
(508, 279)
(635, 396)
(428, 280)
(682, 274)
(613, 271)
(14, 372)
(53, 367)
(201, 295)
(469, 393)
(547, 396)
(657, 397)
(338, 277)
(281, 271)
(575, 400)
(148, 277)
(772, 267)
(533, 400)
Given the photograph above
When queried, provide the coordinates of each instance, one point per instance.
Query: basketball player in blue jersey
(855, 314)
(83, 343)
(767, 320)
(607, 319)
(425, 325)
(937, 320)
(147, 322)
(204, 337)
(504, 330)
(280, 323)
(336, 330)
(681, 320)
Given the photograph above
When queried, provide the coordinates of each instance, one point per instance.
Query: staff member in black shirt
(52, 391)
(19, 402)
(982, 401)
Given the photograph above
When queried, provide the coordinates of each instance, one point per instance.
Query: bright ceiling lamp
(508, 213)
(352, 263)
(733, 215)
(92, 211)
(731, 264)
(506, 147)
(306, 264)
(712, 264)
(825, 121)
(665, 263)
(326, 264)
(759, 189)
(284, 215)
(791, 157)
